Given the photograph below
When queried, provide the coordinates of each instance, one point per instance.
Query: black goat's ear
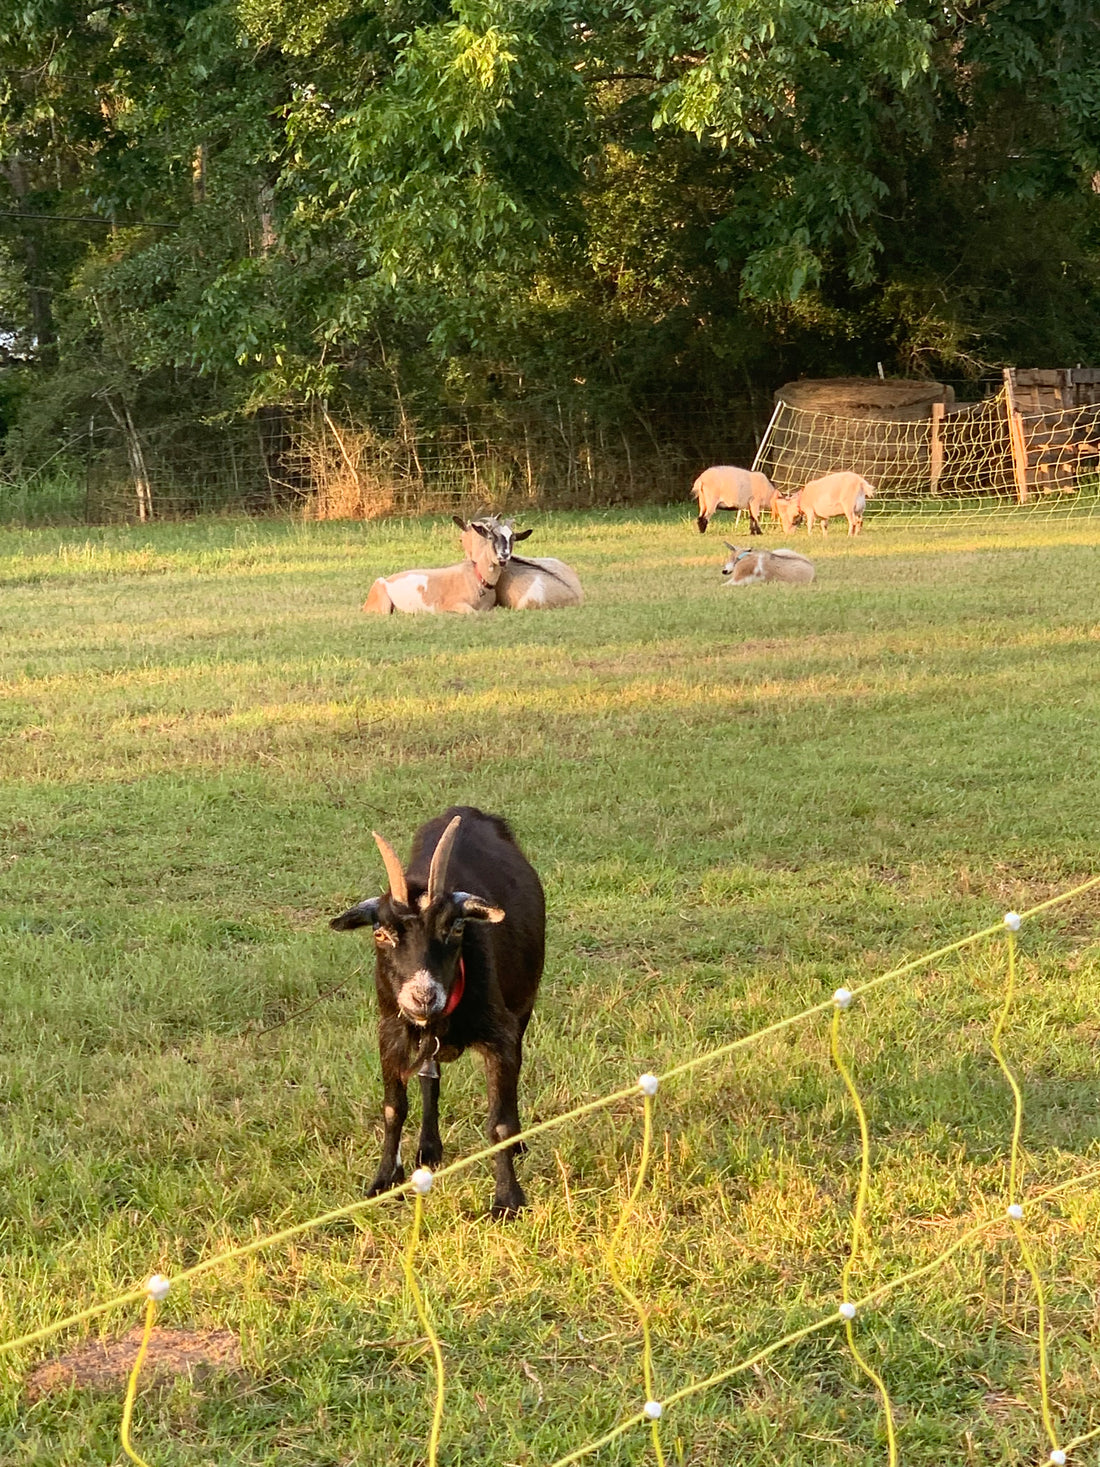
(522, 534)
(363, 915)
(480, 528)
(460, 522)
(476, 908)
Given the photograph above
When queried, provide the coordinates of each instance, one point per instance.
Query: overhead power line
(86, 219)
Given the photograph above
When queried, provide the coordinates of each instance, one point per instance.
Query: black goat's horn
(393, 869)
(441, 856)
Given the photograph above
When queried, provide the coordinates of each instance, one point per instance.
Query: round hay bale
(892, 400)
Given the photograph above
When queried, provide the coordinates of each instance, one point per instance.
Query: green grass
(737, 801)
(54, 496)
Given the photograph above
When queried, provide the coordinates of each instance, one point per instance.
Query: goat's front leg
(502, 1076)
(429, 1149)
(392, 1047)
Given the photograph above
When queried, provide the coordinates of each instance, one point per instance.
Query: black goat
(460, 941)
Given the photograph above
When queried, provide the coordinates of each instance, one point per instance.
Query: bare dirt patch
(106, 1364)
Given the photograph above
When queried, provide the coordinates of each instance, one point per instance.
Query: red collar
(458, 989)
(482, 582)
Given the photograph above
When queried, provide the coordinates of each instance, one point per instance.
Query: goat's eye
(457, 926)
(385, 937)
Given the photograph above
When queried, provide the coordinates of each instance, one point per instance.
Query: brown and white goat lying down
(469, 586)
(459, 939)
(833, 494)
(489, 576)
(724, 487)
(524, 584)
(753, 567)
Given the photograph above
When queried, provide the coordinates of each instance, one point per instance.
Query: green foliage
(53, 496)
(293, 199)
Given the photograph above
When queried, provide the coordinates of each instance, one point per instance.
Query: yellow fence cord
(1015, 1209)
(422, 1181)
(847, 1308)
(652, 1408)
(132, 1384)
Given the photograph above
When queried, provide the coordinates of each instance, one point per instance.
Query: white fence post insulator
(1012, 921)
(422, 1180)
(157, 1287)
(843, 998)
(847, 1310)
(647, 1084)
(1058, 1457)
(1015, 1211)
(653, 1410)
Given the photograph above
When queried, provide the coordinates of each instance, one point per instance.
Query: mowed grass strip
(737, 799)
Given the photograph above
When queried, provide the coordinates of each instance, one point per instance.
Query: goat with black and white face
(460, 942)
(522, 584)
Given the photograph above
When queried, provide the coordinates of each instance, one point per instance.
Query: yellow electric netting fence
(848, 1310)
(979, 457)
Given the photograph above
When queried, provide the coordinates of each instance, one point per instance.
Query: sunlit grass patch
(737, 800)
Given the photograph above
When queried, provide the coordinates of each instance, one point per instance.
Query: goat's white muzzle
(421, 997)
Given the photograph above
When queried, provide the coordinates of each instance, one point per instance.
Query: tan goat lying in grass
(822, 498)
(753, 567)
(724, 487)
(469, 586)
(524, 584)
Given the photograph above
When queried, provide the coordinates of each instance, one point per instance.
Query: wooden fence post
(935, 446)
(1016, 437)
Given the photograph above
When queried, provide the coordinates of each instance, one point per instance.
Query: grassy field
(737, 801)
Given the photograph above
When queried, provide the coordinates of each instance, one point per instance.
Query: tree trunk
(142, 490)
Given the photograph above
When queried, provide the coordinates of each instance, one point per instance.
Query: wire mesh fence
(557, 454)
(185, 468)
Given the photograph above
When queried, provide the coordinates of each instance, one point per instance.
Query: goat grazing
(460, 941)
(468, 586)
(752, 567)
(830, 495)
(524, 584)
(724, 487)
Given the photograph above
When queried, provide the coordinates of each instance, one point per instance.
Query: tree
(344, 202)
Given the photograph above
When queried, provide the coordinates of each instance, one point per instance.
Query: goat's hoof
(519, 1148)
(429, 1156)
(509, 1206)
(386, 1182)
